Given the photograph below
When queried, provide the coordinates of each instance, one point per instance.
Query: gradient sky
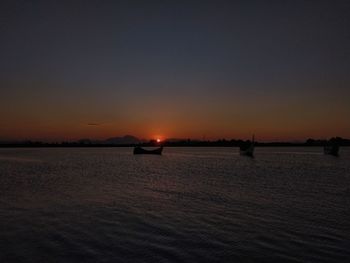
(213, 69)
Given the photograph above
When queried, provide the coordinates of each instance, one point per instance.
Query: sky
(174, 69)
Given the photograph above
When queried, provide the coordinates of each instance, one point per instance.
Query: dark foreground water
(190, 205)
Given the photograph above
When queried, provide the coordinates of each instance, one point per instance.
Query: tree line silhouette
(173, 143)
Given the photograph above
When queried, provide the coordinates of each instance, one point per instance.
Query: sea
(189, 205)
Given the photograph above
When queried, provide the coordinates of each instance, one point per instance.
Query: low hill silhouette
(127, 139)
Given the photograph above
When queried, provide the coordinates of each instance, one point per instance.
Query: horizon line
(168, 140)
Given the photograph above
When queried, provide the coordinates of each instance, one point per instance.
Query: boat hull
(139, 150)
(331, 150)
(248, 151)
(247, 148)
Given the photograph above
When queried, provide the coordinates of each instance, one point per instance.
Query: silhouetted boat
(247, 148)
(331, 148)
(140, 150)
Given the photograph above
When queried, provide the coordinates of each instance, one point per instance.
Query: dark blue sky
(175, 68)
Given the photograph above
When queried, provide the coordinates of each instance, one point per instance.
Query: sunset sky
(174, 69)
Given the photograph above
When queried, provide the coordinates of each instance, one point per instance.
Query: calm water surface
(189, 205)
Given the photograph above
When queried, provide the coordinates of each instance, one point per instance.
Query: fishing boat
(331, 148)
(140, 150)
(247, 148)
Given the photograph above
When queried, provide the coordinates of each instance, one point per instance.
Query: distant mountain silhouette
(127, 139)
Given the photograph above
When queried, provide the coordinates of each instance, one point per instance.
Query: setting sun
(158, 140)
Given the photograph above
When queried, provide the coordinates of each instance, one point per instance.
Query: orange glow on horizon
(264, 130)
